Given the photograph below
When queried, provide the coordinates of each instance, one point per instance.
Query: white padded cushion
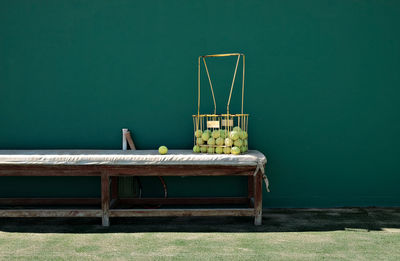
(127, 157)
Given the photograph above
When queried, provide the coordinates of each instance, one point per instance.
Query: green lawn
(344, 234)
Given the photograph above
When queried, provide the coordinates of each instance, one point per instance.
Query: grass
(302, 234)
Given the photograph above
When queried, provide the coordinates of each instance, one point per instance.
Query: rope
(260, 166)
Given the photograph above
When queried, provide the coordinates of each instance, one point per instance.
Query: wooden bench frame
(109, 193)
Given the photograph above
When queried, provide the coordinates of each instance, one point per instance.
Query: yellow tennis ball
(237, 128)
(163, 150)
(228, 142)
(215, 134)
(218, 150)
(227, 150)
(243, 135)
(238, 143)
(203, 149)
(205, 136)
(199, 141)
(198, 133)
(222, 134)
(234, 135)
(211, 141)
(196, 149)
(235, 150)
(219, 141)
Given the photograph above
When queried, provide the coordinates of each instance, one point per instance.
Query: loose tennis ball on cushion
(198, 133)
(234, 135)
(203, 149)
(228, 142)
(163, 150)
(219, 150)
(219, 141)
(199, 141)
(210, 150)
(205, 136)
(196, 148)
(237, 128)
(235, 150)
(211, 141)
(238, 143)
(243, 135)
(215, 134)
(227, 150)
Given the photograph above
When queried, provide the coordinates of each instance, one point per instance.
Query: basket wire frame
(232, 128)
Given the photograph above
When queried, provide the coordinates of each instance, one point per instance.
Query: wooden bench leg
(258, 199)
(105, 199)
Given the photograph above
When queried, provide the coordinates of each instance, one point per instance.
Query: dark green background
(322, 89)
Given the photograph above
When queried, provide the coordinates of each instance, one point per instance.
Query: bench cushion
(128, 157)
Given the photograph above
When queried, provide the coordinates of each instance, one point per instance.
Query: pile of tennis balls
(221, 141)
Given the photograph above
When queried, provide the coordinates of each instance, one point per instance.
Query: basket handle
(209, 79)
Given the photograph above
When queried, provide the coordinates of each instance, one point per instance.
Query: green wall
(322, 89)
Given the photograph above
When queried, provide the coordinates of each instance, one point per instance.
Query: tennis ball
(227, 150)
(205, 136)
(228, 142)
(218, 150)
(238, 143)
(211, 141)
(234, 135)
(222, 134)
(245, 143)
(237, 128)
(163, 150)
(243, 149)
(210, 150)
(243, 135)
(215, 134)
(235, 150)
(198, 133)
(219, 141)
(203, 149)
(196, 149)
(208, 131)
(199, 141)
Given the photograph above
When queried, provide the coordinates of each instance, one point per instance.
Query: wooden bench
(109, 164)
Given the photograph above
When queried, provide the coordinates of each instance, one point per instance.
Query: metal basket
(220, 133)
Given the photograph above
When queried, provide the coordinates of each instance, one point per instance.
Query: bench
(109, 164)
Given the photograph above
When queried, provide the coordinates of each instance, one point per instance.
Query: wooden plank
(258, 199)
(181, 212)
(181, 170)
(50, 213)
(184, 201)
(123, 170)
(49, 201)
(105, 199)
(50, 170)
